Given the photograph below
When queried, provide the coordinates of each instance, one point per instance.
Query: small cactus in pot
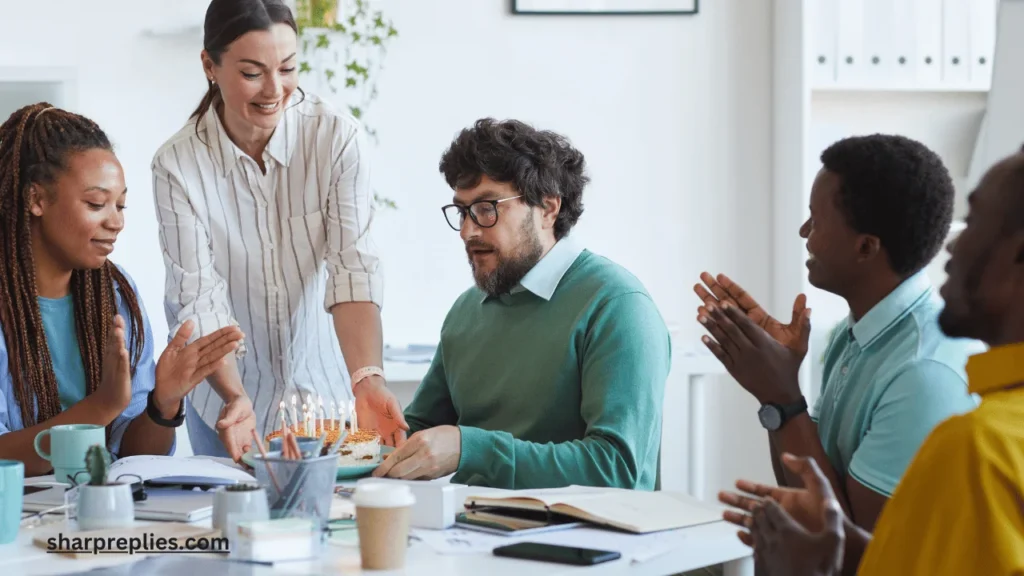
(102, 505)
(97, 462)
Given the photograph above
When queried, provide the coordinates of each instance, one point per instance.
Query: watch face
(771, 416)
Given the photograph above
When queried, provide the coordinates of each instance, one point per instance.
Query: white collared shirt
(271, 252)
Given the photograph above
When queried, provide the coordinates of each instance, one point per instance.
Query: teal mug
(12, 485)
(68, 445)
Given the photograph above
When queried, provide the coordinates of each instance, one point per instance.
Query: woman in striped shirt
(262, 190)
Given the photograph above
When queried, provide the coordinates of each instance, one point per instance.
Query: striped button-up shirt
(271, 252)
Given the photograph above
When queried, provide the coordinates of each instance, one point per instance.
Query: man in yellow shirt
(960, 507)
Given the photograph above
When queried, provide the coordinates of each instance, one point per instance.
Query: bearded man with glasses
(551, 370)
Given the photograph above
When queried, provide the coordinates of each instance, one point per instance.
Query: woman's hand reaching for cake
(427, 454)
(379, 410)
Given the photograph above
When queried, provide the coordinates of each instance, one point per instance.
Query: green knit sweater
(549, 393)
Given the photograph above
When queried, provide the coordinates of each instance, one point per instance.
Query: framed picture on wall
(605, 6)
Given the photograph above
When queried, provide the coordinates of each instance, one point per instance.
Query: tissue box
(436, 505)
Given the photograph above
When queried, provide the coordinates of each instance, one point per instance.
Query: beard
(510, 268)
(965, 319)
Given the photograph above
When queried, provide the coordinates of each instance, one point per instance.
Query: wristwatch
(774, 416)
(155, 416)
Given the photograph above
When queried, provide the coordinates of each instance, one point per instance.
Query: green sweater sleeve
(432, 404)
(625, 357)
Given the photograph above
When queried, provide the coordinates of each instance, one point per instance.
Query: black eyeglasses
(483, 212)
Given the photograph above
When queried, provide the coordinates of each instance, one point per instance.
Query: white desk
(698, 547)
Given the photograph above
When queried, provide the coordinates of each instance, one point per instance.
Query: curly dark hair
(538, 163)
(896, 189)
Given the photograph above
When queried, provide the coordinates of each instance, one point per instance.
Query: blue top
(888, 380)
(59, 325)
(62, 340)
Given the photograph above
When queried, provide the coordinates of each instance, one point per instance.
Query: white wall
(673, 114)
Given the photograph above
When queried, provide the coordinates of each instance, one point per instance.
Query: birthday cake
(360, 448)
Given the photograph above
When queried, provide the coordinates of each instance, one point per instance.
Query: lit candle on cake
(334, 425)
(305, 419)
(352, 416)
(322, 413)
(284, 415)
(295, 416)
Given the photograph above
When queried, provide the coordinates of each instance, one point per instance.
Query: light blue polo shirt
(888, 380)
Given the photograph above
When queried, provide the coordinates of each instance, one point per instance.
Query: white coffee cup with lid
(382, 517)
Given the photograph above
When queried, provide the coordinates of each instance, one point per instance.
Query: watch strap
(792, 410)
(154, 413)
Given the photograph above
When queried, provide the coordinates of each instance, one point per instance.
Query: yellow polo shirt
(960, 507)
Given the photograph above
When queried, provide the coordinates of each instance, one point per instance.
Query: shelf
(901, 88)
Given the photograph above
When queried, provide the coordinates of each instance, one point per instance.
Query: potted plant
(236, 503)
(342, 48)
(102, 504)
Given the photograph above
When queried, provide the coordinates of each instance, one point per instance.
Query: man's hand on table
(427, 455)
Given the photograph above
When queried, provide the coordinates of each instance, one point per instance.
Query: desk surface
(699, 546)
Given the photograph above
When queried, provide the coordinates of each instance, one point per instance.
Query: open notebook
(162, 504)
(630, 510)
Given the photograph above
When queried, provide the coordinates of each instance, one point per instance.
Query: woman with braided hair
(76, 345)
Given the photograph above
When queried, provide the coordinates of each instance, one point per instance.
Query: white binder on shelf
(956, 42)
(1002, 129)
(850, 46)
(879, 42)
(983, 41)
(904, 43)
(825, 22)
(927, 19)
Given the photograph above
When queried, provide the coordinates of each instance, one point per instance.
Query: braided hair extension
(35, 145)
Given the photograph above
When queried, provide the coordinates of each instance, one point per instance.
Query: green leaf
(356, 36)
(392, 31)
(355, 111)
(339, 27)
(304, 67)
(329, 73)
(322, 41)
(376, 40)
(350, 82)
(378, 22)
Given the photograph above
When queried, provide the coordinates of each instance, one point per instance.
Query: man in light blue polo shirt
(891, 377)
(881, 208)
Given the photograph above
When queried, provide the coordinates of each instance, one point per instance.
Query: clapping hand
(793, 531)
(717, 291)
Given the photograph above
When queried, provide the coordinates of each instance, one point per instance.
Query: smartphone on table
(557, 554)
